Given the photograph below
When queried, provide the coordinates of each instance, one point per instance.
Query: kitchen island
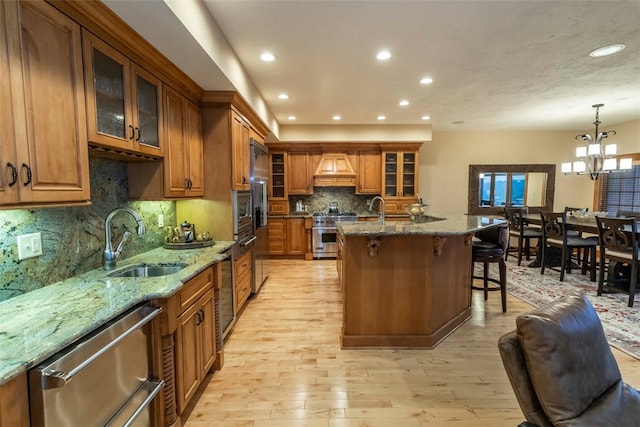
(406, 284)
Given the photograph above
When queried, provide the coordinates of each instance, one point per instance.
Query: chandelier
(596, 158)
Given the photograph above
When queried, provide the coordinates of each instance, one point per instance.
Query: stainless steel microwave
(242, 212)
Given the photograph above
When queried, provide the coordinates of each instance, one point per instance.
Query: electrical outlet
(29, 245)
(160, 220)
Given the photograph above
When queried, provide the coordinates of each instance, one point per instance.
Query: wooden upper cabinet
(368, 178)
(299, 175)
(240, 152)
(183, 162)
(400, 173)
(43, 150)
(124, 101)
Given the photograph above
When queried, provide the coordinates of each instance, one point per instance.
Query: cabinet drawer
(278, 207)
(243, 264)
(194, 288)
(243, 290)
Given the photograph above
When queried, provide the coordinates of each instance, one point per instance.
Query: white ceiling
(496, 65)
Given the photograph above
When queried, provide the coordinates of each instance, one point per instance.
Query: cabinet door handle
(202, 311)
(28, 169)
(186, 183)
(199, 318)
(133, 131)
(14, 174)
(138, 137)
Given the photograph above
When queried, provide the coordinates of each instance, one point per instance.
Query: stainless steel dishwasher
(102, 379)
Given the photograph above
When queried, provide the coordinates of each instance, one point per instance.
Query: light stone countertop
(438, 224)
(36, 325)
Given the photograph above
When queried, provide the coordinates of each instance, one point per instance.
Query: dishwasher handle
(55, 379)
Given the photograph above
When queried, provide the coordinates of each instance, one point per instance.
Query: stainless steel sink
(147, 270)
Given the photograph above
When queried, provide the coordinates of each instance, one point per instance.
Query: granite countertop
(40, 323)
(438, 224)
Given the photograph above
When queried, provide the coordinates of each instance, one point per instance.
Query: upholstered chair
(562, 370)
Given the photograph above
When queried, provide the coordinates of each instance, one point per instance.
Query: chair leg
(519, 250)
(542, 256)
(601, 276)
(486, 281)
(632, 282)
(592, 260)
(503, 285)
(563, 263)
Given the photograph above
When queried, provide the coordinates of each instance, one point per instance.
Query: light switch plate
(160, 220)
(29, 246)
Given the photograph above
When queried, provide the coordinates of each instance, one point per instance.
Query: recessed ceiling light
(381, 117)
(607, 50)
(383, 55)
(267, 56)
(403, 103)
(426, 80)
(291, 118)
(283, 96)
(336, 117)
(426, 117)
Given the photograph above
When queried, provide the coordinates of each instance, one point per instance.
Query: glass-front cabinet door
(400, 174)
(123, 100)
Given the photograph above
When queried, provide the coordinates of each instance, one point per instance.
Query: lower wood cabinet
(277, 236)
(296, 236)
(195, 343)
(244, 272)
(288, 236)
(14, 402)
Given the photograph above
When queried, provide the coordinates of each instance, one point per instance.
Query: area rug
(621, 323)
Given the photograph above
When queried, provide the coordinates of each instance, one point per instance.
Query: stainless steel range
(324, 232)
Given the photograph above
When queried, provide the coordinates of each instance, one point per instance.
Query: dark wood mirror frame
(476, 170)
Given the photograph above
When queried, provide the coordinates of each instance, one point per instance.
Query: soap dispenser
(299, 206)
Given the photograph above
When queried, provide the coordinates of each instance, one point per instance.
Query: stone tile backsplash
(345, 197)
(73, 237)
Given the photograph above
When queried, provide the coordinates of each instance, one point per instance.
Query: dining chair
(619, 247)
(519, 229)
(554, 234)
(489, 246)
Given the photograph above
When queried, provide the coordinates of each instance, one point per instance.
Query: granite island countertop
(38, 324)
(437, 224)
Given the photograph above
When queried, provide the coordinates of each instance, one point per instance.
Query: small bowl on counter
(418, 212)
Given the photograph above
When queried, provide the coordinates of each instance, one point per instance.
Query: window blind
(620, 191)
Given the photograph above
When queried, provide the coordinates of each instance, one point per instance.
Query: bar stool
(490, 247)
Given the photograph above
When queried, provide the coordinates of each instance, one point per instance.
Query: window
(620, 191)
(492, 187)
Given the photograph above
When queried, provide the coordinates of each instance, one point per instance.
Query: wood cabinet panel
(244, 273)
(124, 102)
(368, 178)
(14, 402)
(296, 236)
(195, 342)
(299, 176)
(277, 236)
(399, 180)
(240, 157)
(46, 119)
(183, 165)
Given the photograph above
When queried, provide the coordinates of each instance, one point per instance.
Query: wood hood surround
(335, 170)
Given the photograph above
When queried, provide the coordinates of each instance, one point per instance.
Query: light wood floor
(284, 366)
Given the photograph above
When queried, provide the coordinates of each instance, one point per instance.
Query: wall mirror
(492, 187)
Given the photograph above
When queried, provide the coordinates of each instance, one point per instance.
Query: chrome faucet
(371, 205)
(110, 255)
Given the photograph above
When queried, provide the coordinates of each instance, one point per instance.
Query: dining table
(587, 226)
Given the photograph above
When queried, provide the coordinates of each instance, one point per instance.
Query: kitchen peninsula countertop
(437, 224)
(40, 323)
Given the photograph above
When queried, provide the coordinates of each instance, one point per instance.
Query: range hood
(334, 170)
